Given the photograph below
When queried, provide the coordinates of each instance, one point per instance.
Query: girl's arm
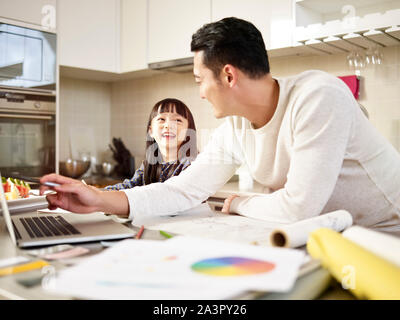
(135, 181)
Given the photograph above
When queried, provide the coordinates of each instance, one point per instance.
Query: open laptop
(42, 229)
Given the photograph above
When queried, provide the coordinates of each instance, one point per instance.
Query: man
(304, 138)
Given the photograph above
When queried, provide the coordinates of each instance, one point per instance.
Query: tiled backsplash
(121, 109)
(85, 104)
(133, 100)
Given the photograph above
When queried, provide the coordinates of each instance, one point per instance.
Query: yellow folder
(366, 275)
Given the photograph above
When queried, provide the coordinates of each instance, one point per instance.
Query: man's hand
(227, 203)
(72, 195)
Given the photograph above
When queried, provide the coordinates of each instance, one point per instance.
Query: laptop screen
(6, 213)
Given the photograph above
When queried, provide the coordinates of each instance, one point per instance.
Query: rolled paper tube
(383, 245)
(365, 274)
(296, 234)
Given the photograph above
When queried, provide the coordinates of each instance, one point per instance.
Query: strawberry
(6, 187)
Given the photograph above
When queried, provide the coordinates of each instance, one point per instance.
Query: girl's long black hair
(187, 150)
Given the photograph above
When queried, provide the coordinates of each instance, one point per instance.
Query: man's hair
(232, 41)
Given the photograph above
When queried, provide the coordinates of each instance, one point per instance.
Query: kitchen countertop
(216, 201)
(229, 188)
(233, 188)
(102, 181)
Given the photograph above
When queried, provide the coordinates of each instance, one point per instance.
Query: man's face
(210, 88)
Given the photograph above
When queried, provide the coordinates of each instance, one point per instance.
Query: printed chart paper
(180, 268)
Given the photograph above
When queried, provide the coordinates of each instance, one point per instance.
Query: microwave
(27, 58)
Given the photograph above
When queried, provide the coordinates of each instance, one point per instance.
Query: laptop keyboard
(52, 226)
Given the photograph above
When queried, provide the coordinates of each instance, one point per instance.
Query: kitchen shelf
(336, 44)
(382, 37)
(340, 43)
(324, 46)
(394, 32)
(317, 19)
(324, 28)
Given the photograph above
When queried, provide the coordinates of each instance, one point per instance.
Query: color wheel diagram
(232, 266)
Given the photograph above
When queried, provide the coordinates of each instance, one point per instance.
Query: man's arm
(75, 196)
(208, 173)
(321, 129)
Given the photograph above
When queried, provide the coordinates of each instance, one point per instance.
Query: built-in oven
(27, 131)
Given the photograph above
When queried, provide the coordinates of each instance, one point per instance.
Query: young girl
(170, 147)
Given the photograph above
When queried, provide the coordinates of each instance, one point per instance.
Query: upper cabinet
(274, 18)
(120, 36)
(171, 24)
(133, 35)
(103, 35)
(39, 13)
(88, 34)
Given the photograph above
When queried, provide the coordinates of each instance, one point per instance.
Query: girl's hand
(227, 203)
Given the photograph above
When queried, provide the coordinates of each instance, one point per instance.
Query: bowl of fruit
(21, 198)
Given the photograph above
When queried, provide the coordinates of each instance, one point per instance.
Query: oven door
(27, 144)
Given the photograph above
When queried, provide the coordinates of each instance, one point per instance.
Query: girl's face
(169, 131)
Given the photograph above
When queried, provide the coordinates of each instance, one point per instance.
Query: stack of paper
(180, 268)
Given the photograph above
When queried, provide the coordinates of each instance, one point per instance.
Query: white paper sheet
(205, 223)
(148, 269)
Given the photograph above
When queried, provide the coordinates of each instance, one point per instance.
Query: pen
(35, 180)
(23, 267)
(167, 235)
(139, 234)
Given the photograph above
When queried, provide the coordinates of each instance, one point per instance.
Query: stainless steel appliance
(27, 101)
(27, 131)
(27, 58)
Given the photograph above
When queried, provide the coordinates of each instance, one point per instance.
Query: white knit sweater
(319, 153)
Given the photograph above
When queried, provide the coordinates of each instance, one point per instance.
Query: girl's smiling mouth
(168, 135)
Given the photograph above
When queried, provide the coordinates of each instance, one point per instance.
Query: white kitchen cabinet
(171, 24)
(40, 13)
(274, 18)
(133, 35)
(89, 34)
